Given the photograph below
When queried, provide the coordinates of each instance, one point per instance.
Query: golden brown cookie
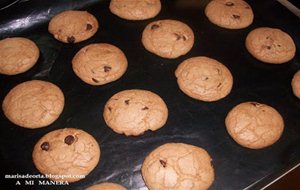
(254, 125)
(168, 38)
(99, 64)
(133, 112)
(73, 26)
(33, 104)
(178, 166)
(270, 45)
(17, 55)
(296, 84)
(66, 154)
(135, 9)
(231, 14)
(204, 78)
(106, 186)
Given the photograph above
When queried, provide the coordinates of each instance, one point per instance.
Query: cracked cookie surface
(33, 104)
(204, 78)
(168, 38)
(254, 125)
(99, 64)
(270, 45)
(230, 14)
(73, 26)
(106, 186)
(178, 166)
(17, 55)
(135, 9)
(296, 84)
(132, 112)
(71, 153)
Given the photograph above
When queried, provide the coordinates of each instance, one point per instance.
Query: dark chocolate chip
(163, 163)
(229, 4)
(178, 37)
(45, 146)
(95, 80)
(109, 108)
(236, 16)
(255, 104)
(278, 45)
(154, 26)
(269, 47)
(89, 27)
(145, 108)
(126, 102)
(107, 68)
(69, 139)
(219, 85)
(71, 39)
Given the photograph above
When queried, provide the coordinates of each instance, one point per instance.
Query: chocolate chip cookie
(204, 78)
(296, 84)
(135, 9)
(106, 186)
(66, 154)
(132, 112)
(17, 55)
(270, 45)
(99, 64)
(230, 14)
(175, 166)
(33, 104)
(254, 125)
(168, 38)
(73, 26)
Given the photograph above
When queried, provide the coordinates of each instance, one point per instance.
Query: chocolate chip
(71, 39)
(154, 26)
(278, 45)
(236, 16)
(89, 27)
(145, 108)
(219, 85)
(95, 80)
(69, 139)
(178, 37)
(107, 68)
(255, 104)
(269, 47)
(45, 146)
(109, 108)
(126, 102)
(229, 4)
(184, 38)
(163, 163)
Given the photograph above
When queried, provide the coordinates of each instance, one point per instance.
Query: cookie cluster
(36, 103)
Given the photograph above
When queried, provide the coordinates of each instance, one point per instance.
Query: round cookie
(135, 9)
(204, 78)
(254, 125)
(99, 64)
(106, 186)
(296, 84)
(133, 112)
(73, 26)
(69, 153)
(270, 45)
(230, 14)
(168, 38)
(33, 104)
(17, 55)
(178, 166)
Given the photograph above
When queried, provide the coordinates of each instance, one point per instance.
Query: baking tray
(190, 121)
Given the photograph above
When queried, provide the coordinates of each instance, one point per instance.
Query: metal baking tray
(190, 121)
